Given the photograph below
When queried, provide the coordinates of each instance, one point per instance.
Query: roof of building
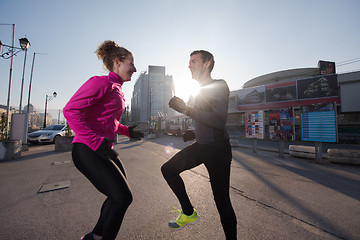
(282, 76)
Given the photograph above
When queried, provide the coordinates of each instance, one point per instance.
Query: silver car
(48, 134)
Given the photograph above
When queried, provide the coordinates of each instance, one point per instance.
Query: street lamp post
(48, 98)
(28, 103)
(10, 54)
(10, 79)
(150, 110)
(25, 44)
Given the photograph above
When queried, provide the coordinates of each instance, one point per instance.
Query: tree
(3, 133)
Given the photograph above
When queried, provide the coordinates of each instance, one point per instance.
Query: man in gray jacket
(211, 148)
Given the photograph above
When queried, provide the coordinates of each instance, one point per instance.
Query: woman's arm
(74, 111)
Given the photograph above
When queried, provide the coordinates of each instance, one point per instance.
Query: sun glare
(186, 88)
(169, 149)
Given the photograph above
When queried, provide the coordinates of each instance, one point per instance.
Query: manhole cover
(54, 186)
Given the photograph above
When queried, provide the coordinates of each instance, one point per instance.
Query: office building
(152, 92)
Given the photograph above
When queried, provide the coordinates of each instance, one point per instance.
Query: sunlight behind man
(186, 88)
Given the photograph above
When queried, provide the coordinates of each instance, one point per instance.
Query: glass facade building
(152, 92)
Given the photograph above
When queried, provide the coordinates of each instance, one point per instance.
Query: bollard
(254, 145)
(281, 148)
(318, 152)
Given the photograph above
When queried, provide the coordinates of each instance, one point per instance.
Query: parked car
(48, 134)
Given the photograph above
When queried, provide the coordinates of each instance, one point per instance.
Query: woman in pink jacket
(94, 113)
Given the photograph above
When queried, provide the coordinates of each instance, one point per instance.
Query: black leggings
(109, 177)
(217, 159)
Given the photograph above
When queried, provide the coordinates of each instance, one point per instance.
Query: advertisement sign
(281, 124)
(296, 93)
(318, 87)
(318, 123)
(326, 67)
(254, 95)
(254, 124)
(281, 93)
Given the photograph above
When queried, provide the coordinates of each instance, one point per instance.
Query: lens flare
(169, 148)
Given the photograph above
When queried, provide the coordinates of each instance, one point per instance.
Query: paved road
(274, 198)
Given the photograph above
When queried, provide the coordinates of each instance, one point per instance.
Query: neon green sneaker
(182, 220)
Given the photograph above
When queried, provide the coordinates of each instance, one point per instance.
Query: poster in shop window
(281, 124)
(254, 124)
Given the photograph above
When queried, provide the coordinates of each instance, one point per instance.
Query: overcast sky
(247, 38)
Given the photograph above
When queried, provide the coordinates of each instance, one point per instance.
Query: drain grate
(54, 186)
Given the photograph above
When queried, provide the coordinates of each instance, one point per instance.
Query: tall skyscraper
(152, 92)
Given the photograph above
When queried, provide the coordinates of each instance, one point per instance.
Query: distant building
(152, 92)
(35, 120)
(31, 108)
(294, 88)
(3, 109)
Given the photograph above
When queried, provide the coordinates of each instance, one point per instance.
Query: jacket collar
(115, 78)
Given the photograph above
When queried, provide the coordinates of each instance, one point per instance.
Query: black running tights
(217, 159)
(109, 177)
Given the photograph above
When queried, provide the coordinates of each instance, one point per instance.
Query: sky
(247, 38)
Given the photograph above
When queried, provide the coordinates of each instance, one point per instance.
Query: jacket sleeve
(74, 111)
(123, 130)
(218, 103)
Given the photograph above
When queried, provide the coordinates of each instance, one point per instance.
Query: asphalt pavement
(43, 196)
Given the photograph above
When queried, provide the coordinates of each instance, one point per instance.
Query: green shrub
(3, 133)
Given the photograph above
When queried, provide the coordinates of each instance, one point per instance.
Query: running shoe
(88, 236)
(182, 220)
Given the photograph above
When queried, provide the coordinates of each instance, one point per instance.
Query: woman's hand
(134, 134)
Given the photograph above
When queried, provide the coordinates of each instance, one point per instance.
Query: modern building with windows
(288, 93)
(152, 92)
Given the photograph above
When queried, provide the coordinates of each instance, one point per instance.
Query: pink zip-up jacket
(94, 111)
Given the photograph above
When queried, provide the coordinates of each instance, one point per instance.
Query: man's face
(196, 66)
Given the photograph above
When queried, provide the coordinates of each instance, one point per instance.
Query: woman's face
(126, 68)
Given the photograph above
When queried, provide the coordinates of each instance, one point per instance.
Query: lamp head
(54, 94)
(24, 43)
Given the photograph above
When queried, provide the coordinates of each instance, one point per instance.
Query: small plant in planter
(68, 132)
(3, 133)
(9, 149)
(64, 143)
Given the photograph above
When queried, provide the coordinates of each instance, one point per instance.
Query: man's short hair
(206, 57)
